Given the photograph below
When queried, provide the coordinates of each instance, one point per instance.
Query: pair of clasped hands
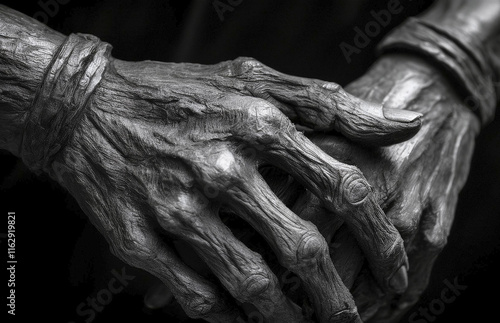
(371, 170)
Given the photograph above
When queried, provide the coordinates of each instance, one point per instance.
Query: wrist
(46, 82)
(27, 48)
(66, 90)
(455, 35)
(409, 81)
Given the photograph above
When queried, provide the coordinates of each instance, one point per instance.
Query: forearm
(47, 82)
(26, 49)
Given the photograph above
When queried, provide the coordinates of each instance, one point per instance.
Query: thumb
(374, 124)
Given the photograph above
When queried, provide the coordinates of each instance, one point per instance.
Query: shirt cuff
(467, 63)
(67, 88)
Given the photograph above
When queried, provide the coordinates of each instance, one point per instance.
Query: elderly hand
(416, 182)
(163, 146)
(151, 151)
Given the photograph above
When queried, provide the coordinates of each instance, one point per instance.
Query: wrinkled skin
(164, 146)
(416, 182)
(426, 176)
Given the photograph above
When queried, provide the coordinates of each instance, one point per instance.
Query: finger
(347, 256)
(395, 307)
(369, 298)
(137, 244)
(241, 271)
(425, 247)
(325, 106)
(344, 251)
(309, 207)
(342, 189)
(298, 245)
(421, 260)
(368, 295)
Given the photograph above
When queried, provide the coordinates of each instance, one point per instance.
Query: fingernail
(399, 280)
(400, 115)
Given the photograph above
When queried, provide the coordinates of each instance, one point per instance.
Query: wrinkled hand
(416, 182)
(429, 174)
(164, 146)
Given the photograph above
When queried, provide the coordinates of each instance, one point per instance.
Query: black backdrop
(63, 260)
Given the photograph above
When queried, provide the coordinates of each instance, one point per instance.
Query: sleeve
(463, 38)
(46, 82)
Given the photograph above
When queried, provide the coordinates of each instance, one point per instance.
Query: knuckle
(171, 215)
(245, 66)
(256, 285)
(266, 121)
(221, 169)
(334, 87)
(261, 111)
(171, 222)
(434, 229)
(310, 249)
(435, 240)
(225, 165)
(182, 218)
(199, 306)
(406, 225)
(225, 181)
(354, 188)
(133, 250)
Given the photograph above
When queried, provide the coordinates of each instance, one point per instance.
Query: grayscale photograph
(250, 161)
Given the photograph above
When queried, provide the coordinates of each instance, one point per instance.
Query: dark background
(63, 260)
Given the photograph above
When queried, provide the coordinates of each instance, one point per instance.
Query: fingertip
(394, 125)
(399, 281)
(396, 132)
(375, 125)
